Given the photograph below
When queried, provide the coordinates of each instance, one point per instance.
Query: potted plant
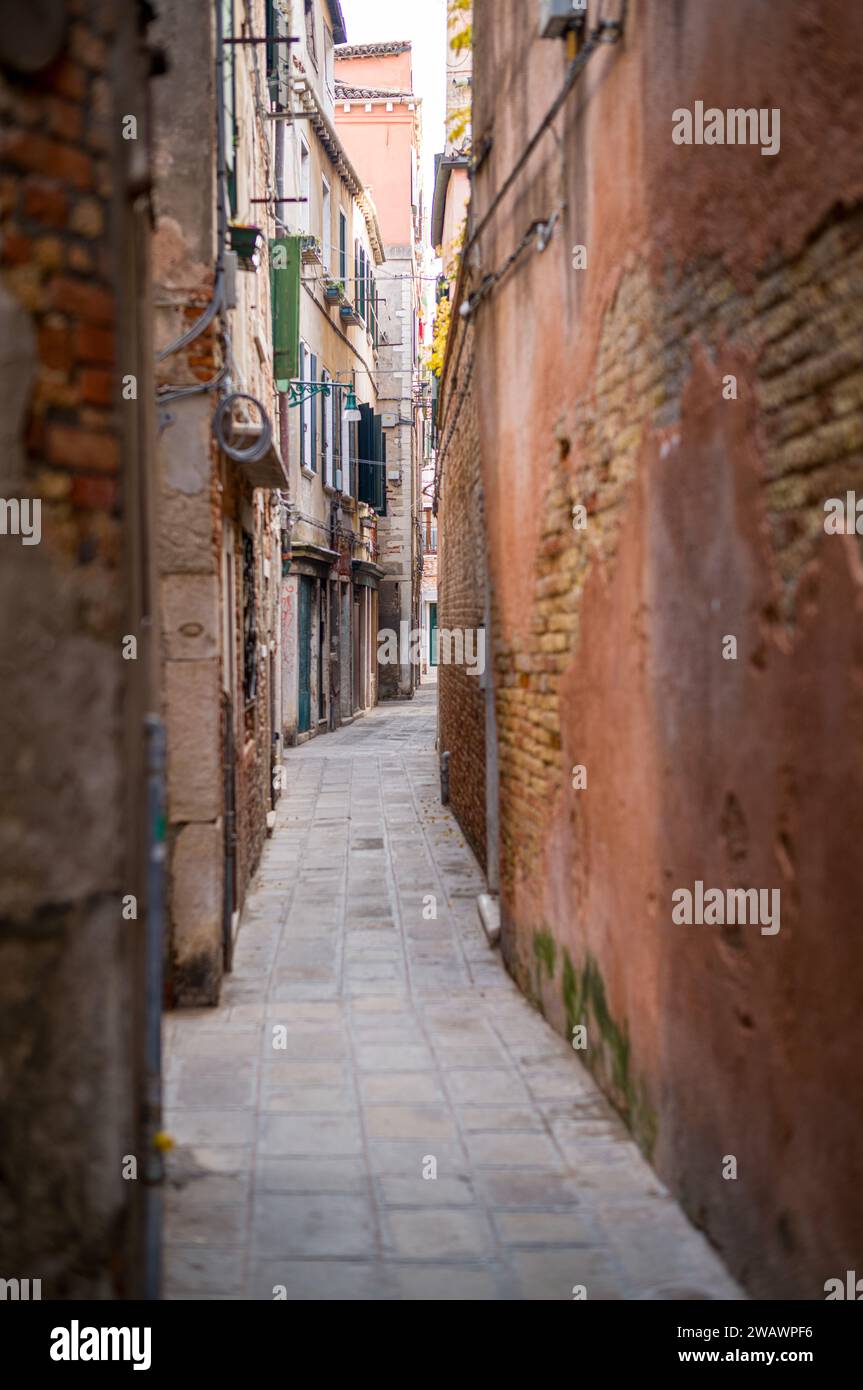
(334, 291)
(246, 241)
(310, 249)
(348, 313)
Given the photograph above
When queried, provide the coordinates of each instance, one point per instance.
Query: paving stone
(210, 1223)
(445, 1283)
(418, 1191)
(203, 1272)
(292, 1226)
(409, 1088)
(512, 1150)
(427, 1123)
(479, 1119)
(308, 1135)
(544, 1228)
(439, 1234)
(318, 1280)
(210, 1126)
(318, 1174)
(551, 1275)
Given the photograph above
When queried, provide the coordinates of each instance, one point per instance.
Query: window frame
(326, 224)
(343, 247)
(306, 437)
(327, 430)
(305, 209)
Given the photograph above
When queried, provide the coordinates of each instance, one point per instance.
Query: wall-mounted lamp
(352, 413)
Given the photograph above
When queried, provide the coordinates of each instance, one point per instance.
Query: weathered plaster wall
(705, 518)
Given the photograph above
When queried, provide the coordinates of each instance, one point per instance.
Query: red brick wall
(461, 587)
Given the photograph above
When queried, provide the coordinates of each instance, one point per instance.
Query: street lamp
(352, 413)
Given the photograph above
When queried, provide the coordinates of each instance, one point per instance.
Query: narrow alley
(431, 581)
(302, 1156)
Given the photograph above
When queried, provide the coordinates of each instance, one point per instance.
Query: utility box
(557, 17)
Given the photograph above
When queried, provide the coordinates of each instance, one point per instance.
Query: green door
(304, 722)
(433, 634)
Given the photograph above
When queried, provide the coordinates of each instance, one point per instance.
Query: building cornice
(372, 50)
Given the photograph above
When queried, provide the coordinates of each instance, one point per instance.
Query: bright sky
(424, 23)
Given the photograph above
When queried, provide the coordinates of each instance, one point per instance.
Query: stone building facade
(220, 515)
(336, 490)
(79, 901)
(667, 362)
(378, 117)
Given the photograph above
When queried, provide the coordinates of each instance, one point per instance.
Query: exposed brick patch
(38, 154)
(44, 202)
(85, 301)
(94, 494)
(96, 386)
(94, 344)
(83, 449)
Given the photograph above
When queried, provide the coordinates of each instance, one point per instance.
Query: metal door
(304, 722)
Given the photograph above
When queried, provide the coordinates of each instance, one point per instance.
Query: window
(326, 225)
(343, 247)
(327, 431)
(360, 298)
(430, 532)
(272, 52)
(229, 96)
(329, 64)
(310, 31)
(337, 405)
(308, 410)
(305, 184)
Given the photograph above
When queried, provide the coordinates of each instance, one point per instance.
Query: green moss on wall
(545, 951)
(608, 1052)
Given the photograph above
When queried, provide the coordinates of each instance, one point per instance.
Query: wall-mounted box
(557, 17)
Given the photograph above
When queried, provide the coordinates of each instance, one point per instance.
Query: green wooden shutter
(365, 444)
(285, 295)
(379, 480)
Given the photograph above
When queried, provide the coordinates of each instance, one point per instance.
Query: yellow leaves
(439, 337)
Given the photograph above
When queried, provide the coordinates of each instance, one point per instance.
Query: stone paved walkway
(405, 1041)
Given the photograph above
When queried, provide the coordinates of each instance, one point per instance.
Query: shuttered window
(343, 249)
(372, 461)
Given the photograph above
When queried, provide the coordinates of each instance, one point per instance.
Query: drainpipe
(153, 939)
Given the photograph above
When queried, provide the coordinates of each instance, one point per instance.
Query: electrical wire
(615, 29)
